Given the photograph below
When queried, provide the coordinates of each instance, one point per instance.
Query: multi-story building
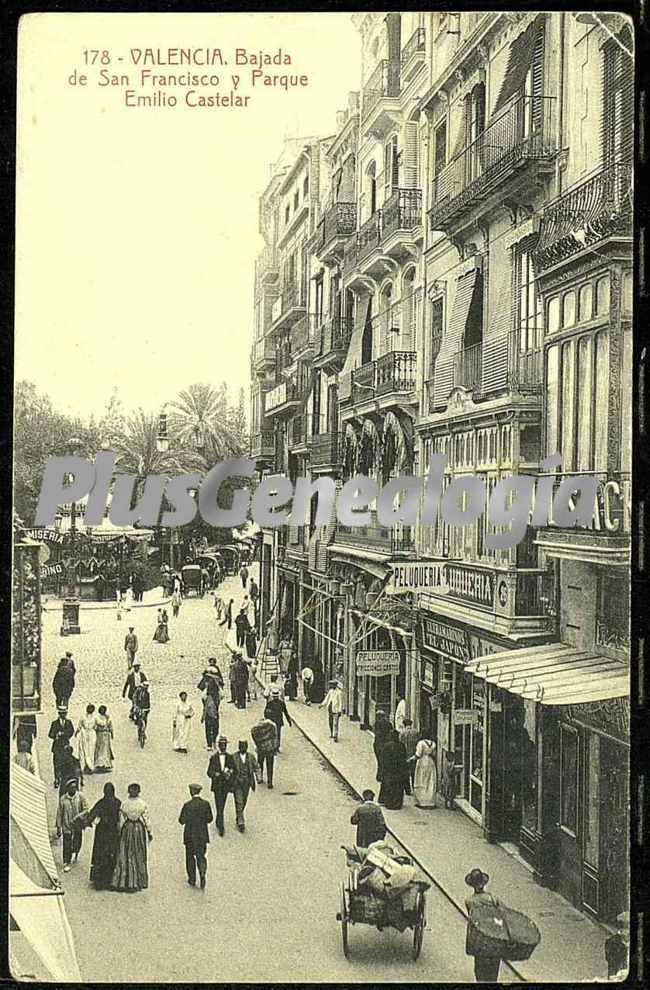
(470, 295)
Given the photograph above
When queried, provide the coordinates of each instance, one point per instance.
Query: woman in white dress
(181, 725)
(425, 782)
(87, 739)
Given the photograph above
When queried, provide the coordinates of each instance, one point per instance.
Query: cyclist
(141, 702)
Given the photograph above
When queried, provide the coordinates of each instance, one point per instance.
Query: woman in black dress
(383, 729)
(107, 838)
(393, 770)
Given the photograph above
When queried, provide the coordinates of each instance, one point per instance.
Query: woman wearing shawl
(106, 812)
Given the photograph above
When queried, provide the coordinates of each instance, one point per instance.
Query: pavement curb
(107, 606)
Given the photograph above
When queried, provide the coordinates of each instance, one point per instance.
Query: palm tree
(138, 450)
(200, 420)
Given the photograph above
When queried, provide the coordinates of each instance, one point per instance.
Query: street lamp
(162, 446)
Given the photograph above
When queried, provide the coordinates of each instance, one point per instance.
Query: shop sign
(452, 641)
(434, 702)
(378, 663)
(50, 570)
(45, 535)
(612, 505)
(611, 716)
(470, 584)
(465, 716)
(428, 674)
(416, 576)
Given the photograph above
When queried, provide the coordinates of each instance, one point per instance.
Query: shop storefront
(378, 694)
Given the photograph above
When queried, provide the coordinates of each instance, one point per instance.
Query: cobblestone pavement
(269, 911)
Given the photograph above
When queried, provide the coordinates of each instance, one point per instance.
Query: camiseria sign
(378, 663)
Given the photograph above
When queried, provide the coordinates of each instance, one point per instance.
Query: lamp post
(162, 446)
(70, 608)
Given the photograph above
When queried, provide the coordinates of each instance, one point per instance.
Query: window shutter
(410, 155)
(521, 56)
(618, 101)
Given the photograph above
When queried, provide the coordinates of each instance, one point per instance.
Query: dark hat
(476, 878)
(68, 653)
(73, 780)
(222, 739)
(195, 788)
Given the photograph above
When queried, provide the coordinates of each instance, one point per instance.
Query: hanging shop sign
(417, 575)
(428, 676)
(470, 584)
(378, 663)
(45, 535)
(465, 716)
(451, 641)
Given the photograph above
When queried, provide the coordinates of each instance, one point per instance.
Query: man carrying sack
(494, 931)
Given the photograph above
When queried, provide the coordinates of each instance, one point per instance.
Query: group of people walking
(85, 750)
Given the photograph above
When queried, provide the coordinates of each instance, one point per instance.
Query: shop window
(477, 739)
(552, 394)
(585, 404)
(626, 295)
(613, 615)
(529, 767)
(568, 407)
(601, 400)
(602, 296)
(585, 302)
(569, 309)
(553, 319)
(568, 779)
(592, 802)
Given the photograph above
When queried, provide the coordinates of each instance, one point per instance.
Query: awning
(520, 58)
(30, 840)
(554, 674)
(41, 917)
(366, 616)
(453, 340)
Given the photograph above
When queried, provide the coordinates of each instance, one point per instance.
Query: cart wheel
(344, 924)
(418, 931)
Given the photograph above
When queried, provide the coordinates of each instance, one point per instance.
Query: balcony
(263, 356)
(335, 336)
(338, 224)
(510, 154)
(266, 268)
(382, 87)
(282, 399)
(494, 365)
(324, 453)
(297, 434)
(369, 236)
(289, 306)
(413, 54)
(598, 209)
(401, 223)
(262, 446)
(389, 540)
(391, 374)
(607, 539)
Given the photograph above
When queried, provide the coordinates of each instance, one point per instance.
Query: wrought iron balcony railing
(324, 450)
(339, 221)
(415, 44)
(297, 431)
(335, 335)
(263, 351)
(520, 134)
(384, 82)
(402, 211)
(263, 444)
(598, 208)
(392, 372)
(280, 395)
(369, 236)
(292, 296)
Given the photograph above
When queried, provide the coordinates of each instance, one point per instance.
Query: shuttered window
(529, 305)
(526, 53)
(410, 156)
(437, 313)
(618, 100)
(440, 148)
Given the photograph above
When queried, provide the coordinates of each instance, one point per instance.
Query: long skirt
(181, 732)
(425, 783)
(392, 790)
(103, 750)
(86, 744)
(161, 635)
(105, 848)
(131, 867)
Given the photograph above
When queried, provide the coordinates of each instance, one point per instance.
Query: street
(269, 910)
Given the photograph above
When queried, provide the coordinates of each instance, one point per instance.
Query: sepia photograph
(322, 490)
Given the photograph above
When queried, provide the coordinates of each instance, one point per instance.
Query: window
(529, 308)
(584, 447)
(553, 321)
(613, 615)
(601, 400)
(529, 767)
(592, 802)
(305, 187)
(568, 406)
(618, 101)
(391, 167)
(568, 779)
(287, 213)
(295, 201)
(437, 313)
(602, 296)
(318, 304)
(440, 148)
(569, 309)
(475, 117)
(585, 303)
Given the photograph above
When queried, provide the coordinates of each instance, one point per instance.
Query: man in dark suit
(369, 819)
(220, 772)
(195, 816)
(61, 732)
(243, 780)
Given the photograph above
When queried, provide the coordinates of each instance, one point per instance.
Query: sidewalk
(448, 844)
(155, 598)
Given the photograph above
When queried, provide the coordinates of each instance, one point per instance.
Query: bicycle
(141, 724)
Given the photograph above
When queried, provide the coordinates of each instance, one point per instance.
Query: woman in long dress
(130, 871)
(106, 812)
(425, 782)
(181, 726)
(161, 634)
(87, 740)
(104, 744)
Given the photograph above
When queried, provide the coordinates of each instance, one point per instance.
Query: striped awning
(554, 674)
(30, 840)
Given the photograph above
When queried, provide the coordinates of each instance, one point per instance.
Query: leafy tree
(200, 419)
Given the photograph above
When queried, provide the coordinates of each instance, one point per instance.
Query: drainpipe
(560, 107)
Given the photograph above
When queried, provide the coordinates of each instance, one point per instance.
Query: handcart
(360, 906)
